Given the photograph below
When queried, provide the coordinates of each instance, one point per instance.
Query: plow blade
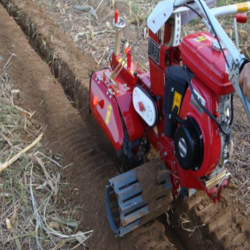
(138, 196)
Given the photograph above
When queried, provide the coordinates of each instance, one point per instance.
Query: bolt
(165, 153)
(98, 82)
(174, 152)
(96, 78)
(172, 89)
(170, 116)
(176, 181)
(162, 135)
(175, 172)
(196, 168)
(110, 96)
(107, 92)
(174, 162)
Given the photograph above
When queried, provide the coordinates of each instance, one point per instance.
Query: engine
(207, 106)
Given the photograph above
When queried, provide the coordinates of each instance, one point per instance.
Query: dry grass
(239, 163)
(96, 36)
(33, 214)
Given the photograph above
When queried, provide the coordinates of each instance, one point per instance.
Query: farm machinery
(182, 107)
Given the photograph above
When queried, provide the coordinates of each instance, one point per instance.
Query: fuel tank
(201, 53)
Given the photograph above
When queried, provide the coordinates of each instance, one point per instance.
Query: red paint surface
(141, 106)
(129, 58)
(211, 81)
(116, 16)
(241, 17)
(114, 129)
(206, 63)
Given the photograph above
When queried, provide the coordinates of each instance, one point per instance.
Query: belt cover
(175, 87)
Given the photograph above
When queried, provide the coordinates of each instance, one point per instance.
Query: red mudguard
(105, 110)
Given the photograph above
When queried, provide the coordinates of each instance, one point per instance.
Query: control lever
(238, 18)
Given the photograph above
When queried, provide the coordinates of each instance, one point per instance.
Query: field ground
(52, 76)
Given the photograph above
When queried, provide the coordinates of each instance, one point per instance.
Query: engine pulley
(189, 145)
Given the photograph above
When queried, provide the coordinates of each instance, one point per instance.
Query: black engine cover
(188, 143)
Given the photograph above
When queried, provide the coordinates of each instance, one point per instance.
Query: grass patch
(33, 214)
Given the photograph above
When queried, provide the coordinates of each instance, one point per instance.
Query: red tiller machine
(182, 107)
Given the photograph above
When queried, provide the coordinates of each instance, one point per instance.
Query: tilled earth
(67, 135)
(60, 96)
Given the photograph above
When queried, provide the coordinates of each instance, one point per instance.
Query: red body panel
(157, 78)
(205, 62)
(121, 102)
(131, 119)
(209, 130)
(112, 125)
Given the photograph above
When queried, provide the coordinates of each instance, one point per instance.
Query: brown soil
(214, 227)
(66, 134)
(74, 21)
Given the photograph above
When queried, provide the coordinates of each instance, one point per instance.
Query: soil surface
(69, 134)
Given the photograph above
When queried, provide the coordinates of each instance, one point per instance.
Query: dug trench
(65, 133)
(195, 223)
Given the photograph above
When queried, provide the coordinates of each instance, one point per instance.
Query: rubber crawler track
(225, 228)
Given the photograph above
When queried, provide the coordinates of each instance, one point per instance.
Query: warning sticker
(242, 7)
(200, 39)
(201, 99)
(177, 101)
(109, 110)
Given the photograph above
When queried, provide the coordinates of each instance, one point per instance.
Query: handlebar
(165, 9)
(234, 59)
(218, 11)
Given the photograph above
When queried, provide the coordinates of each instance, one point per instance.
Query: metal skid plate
(138, 196)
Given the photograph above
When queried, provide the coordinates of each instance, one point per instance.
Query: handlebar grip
(241, 17)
